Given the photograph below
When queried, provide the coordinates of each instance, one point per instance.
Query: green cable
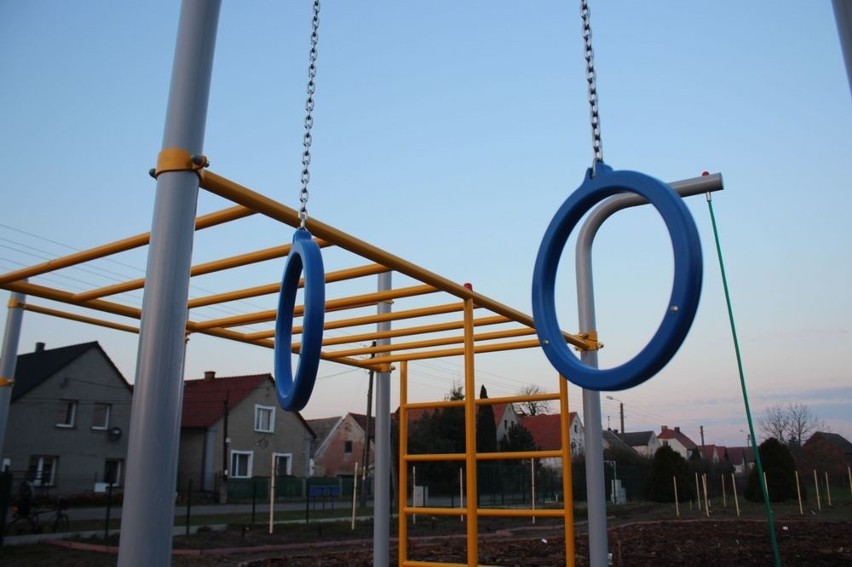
(760, 478)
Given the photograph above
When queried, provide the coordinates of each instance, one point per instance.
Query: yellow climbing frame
(433, 317)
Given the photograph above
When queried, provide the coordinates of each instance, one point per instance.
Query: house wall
(202, 449)
(80, 451)
(334, 460)
(577, 437)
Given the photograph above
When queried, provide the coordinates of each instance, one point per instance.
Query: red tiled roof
(204, 400)
(668, 433)
(544, 429)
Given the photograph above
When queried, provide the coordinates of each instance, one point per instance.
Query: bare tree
(791, 424)
(532, 407)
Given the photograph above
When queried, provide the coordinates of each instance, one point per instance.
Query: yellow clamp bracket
(15, 303)
(6, 382)
(591, 339)
(177, 159)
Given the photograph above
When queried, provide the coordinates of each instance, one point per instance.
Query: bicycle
(30, 522)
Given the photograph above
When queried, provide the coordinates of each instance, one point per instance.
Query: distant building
(826, 453)
(547, 434)
(645, 443)
(233, 427)
(678, 441)
(340, 444)
(68, 420)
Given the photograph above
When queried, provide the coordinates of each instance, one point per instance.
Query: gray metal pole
(843, 16)
(382, 501)
(149, 496)
(9, 359)
(593, 433)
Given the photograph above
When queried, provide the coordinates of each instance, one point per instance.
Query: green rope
(769, 515)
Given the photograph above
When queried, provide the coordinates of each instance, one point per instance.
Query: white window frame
(120, 465)
(289, 467)
(236, 454)
(39, 470)
(259, 410)
(108, 411)
(70, 420)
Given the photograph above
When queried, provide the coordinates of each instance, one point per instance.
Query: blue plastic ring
(686, 289)
(294, 393)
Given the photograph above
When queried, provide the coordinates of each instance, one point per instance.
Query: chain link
(597, 145)
(309, 117)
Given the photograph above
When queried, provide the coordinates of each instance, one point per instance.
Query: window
(67, 414)
(112, 472)
(241, 464)
(100, 416)
(264, 419)
(42, 470)
(347, 447)
(283, 464)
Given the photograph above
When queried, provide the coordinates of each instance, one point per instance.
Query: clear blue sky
(449, 133)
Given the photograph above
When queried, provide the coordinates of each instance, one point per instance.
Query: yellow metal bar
(435, 457)
(6, 382)
(60, 296)
(433, 511)
(205, 221)
(522, 512)
(403, 462)
(268, 289)
(80, 318)
(409, 331)
(430, 564)
(244, 196)
(393, 316)
(519, 455)
(470, 435)
(399, 356)
(438, 342)
(567, 472)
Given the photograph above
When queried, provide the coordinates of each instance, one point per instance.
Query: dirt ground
(803, 541)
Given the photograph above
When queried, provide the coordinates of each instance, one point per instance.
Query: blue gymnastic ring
(294, 393)
(686, 289)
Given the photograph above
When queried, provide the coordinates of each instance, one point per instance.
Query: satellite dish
(114, 433)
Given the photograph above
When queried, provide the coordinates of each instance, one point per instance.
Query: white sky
(449, 133)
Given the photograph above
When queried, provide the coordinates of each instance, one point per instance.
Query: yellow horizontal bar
(267, 289)
(408, 331)
(433, 511)
(497, 456)
(437, 342)
(60, 296)
(433, 457)
(521, 512)
(498, 347)
(202, 222)
(82, 319)
(264, 205)
(409, 563)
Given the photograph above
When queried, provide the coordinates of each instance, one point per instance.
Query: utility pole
(701, 429)
(366, 461)
(620, 411)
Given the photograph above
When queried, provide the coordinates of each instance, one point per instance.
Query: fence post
(108, 507)
(188, 504)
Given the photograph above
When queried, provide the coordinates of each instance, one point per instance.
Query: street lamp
(620, 411)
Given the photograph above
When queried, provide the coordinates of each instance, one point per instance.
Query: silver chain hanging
(309, 117)
(597, 145)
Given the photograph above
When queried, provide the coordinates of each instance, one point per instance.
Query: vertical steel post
(9, 359)
(149, 496)
(382, 489)
(843, 17)
(593, 434)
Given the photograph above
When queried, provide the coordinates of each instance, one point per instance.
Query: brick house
(546, 433)
(232, 427)
(68, 420)
(340, 445)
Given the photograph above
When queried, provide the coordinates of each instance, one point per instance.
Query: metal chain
(597, 145)
(309, 117)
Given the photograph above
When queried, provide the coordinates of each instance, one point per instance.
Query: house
(340, 445)
(546, 433)
(68, 420)
(645, 443)
(612, 441)
(504, 418)
(232, 428)
(742, 458)
(678, 441)
(826, 452)
(712, 454)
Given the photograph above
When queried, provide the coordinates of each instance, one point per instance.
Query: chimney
(209, 374)
(665, 427)
(39, 347)
(677, 429)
